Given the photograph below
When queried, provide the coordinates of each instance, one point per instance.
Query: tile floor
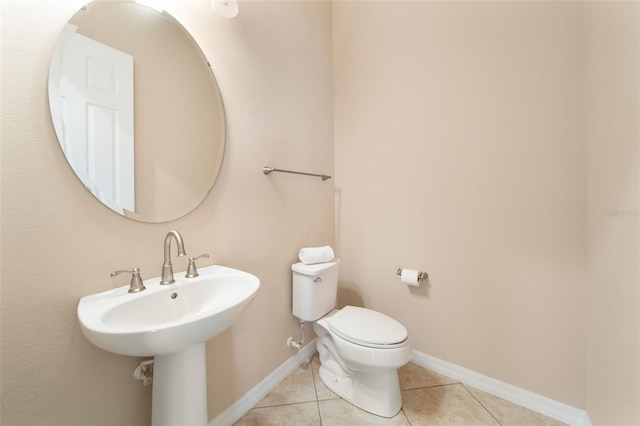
(428, 399)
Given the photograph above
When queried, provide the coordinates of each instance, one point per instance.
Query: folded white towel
(311, 255)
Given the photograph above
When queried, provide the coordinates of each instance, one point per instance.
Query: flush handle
(317, 280)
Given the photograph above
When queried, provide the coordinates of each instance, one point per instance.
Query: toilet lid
(366, 327)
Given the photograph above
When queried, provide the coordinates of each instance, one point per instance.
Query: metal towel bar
(266, 170)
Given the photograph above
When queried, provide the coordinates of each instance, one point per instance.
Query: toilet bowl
(363, 372)
(360, 349)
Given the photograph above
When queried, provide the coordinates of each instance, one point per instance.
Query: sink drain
(174, 295)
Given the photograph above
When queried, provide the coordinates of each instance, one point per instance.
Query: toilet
(360, 349)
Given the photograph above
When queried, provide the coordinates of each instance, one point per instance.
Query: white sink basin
(166, 319)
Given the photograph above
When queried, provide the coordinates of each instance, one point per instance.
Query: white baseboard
(541, 404)
(251, 398)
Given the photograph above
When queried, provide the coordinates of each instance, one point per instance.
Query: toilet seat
(368, 328)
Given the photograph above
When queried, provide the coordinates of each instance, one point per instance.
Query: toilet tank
(315, 288)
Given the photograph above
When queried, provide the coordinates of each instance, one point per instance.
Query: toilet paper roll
(410, 277)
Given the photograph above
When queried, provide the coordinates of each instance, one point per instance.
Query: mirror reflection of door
(94, 115)
(179, 117)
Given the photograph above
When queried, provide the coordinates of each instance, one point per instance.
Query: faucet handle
(136, 284)
(192, 271)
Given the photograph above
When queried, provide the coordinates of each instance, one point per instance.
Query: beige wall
(459, 151)
(481, 142)
(58, 244)
(495, 145)
(612, 117)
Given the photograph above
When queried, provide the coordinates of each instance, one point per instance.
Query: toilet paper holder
(421, 275)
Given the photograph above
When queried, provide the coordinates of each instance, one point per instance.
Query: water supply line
(293, 343)
(144, 372)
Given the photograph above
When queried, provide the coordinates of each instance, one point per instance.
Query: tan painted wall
(472, 115)
(459, 151)
(612, 117)
(58, 244)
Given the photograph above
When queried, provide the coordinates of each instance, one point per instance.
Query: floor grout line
(405, 416)
(480, 402)
(439, 385)
(284, 404)
(315, 388)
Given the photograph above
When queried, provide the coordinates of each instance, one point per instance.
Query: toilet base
(377, 393)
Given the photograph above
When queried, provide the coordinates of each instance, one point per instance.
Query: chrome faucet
(167, 268)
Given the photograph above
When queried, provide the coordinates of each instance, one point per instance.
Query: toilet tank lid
(367, 327)
(315, 269)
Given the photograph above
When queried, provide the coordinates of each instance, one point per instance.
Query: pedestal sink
(171, 323)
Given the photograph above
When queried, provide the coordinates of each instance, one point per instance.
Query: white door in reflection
(95, 116)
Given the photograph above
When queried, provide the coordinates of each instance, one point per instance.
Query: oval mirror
(137, 110)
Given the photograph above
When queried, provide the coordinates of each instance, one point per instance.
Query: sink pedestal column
(180, 388)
